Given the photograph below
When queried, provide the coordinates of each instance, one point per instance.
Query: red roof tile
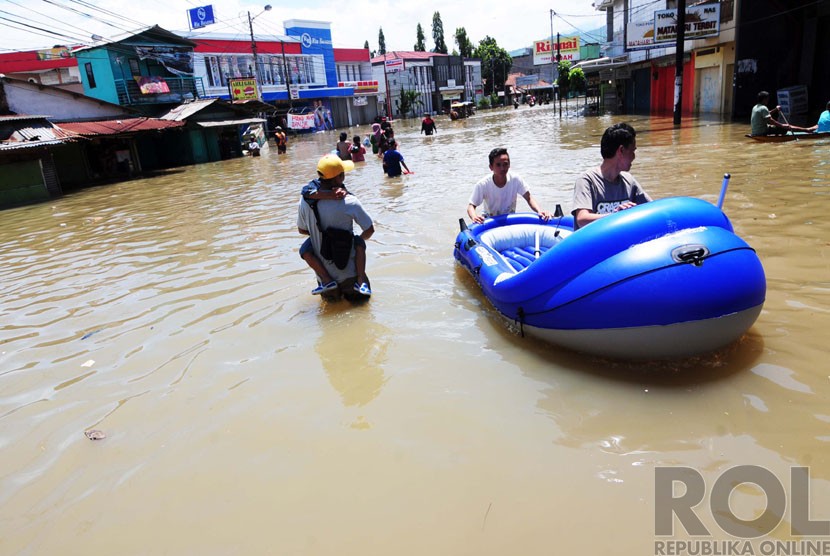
(406, 55)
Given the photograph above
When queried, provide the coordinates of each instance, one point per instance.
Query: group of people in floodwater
(763, 122)
(383, 144)
(328, 211)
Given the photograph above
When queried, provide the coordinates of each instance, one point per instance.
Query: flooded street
(245, 416)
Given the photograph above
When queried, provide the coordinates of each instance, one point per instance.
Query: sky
(37, 24)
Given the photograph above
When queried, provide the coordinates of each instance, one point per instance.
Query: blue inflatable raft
(661, 280)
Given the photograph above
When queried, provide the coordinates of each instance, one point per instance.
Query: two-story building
(299, 73)
(149, 70)
(732, 49)
(53, 66)
(438, 79)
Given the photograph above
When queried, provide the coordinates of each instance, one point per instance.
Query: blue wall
(317, 41)
(99, 58)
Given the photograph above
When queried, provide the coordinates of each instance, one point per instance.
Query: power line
(83, 31)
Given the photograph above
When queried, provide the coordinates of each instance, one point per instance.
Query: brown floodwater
(244, 416)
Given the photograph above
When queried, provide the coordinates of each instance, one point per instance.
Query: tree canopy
(438, 34)
(465, 45)
(420, 45)
(495, 63)
(381, 42)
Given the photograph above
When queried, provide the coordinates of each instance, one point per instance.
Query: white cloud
(353, 21)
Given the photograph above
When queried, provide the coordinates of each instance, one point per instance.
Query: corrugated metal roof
(222, 123)
(114, 127)
(407, 55)
(18, 117)
(26, 132)
(14, 145)
(184, 111)
(41, 133)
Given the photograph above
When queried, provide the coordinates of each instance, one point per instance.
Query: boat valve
(690, 254)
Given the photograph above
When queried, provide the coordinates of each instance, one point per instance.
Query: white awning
(599, 64)
(223, 123)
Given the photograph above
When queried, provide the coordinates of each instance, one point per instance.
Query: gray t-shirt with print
(595, 193)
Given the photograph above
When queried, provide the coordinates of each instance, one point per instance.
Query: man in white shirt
(498, 191)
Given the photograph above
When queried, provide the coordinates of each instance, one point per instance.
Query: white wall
(58, 105)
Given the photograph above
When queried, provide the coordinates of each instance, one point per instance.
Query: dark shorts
(306, 247)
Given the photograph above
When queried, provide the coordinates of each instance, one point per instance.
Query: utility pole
(558, 58)
(678, 72)
(253, 51)
(257, 72)
(552, 61)
(287, 77)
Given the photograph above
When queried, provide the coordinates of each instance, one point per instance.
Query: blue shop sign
(201, 16)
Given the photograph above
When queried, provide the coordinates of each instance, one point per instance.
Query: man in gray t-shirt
(609, 188)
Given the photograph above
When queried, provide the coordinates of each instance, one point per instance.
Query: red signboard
(361, 87)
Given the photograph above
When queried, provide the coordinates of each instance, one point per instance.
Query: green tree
(495, 63)
(381, 42)
(465, 45)
(438, 34)
(564, 78)
(409, 99)
(420, 45)
(577, 81)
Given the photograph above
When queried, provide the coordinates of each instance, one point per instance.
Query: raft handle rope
(558, 214)
(522, 313)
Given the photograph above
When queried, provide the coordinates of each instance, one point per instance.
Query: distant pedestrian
(343, 147)
(282, 140)
(357, 150)
(428, 125)
(375, 138)
(393, 160)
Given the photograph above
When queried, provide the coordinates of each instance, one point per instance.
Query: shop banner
(243, 89)
(178, 60)
(640, 34)
(201, 16)
(393, 65)
(360, 87)
(701, 21)
(151, 85)
(568, 50)
(300, 121)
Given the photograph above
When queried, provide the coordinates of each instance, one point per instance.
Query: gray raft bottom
(653, 342)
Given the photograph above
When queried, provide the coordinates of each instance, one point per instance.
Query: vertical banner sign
(201, 16)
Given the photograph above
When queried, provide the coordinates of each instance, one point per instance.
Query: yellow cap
(330, 166)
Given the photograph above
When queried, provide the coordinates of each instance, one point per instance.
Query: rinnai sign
(361, 87)
(701, 21)
(568, 49)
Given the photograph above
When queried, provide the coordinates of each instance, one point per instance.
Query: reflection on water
(173, 313)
